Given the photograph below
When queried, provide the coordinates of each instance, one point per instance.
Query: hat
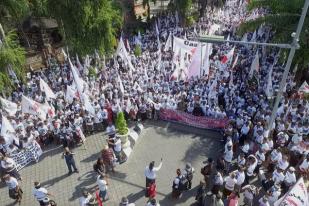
(292, 169)
(188, 165)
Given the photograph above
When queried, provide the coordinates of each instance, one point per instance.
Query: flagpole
(294, 46)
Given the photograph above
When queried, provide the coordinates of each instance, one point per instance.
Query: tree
(12, 56)
(283, 19)
(87, 24)
(184, 9)
(121, 124)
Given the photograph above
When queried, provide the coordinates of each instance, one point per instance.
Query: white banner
(32, 107)
(297, 196)
(185, 45)
(8, 106)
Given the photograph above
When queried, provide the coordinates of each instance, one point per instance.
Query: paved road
(177, 144)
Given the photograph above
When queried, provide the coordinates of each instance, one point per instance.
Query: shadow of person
(185, 195)
(134, 197)
(53, 181)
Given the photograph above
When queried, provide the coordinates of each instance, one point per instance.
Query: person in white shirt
(102, 186)
(150, 172)
(152, 202)
(240, 177)
(85, 199)
(278, 176)
(125, 202)
(289, 179)
(250, 191)
(15, 191)
(228, 157)
(230, 183)
(274, 194)
(117, 148)
(251, 165)
(283, 164)
(304, 166)
(9, 166)
(41, 194)
(263, 201)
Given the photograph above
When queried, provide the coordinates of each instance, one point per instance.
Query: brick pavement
(177, 144)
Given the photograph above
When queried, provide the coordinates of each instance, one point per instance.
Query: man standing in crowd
(69, 160)
(102, 186)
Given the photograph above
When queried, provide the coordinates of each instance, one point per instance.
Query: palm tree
(283, 18)
(12, 56)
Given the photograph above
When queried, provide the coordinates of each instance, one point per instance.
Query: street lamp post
(293, 46)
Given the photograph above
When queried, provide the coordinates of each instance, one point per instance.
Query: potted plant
(122, 130)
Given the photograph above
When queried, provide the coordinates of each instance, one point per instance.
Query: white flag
(206, 62)
(7, 131)
(71, 94)
(253, 38)
(195, 66)
(255, 66)
(168, 43)
(78, 81)
(8, 106)
(120, 84)
(297, 196)
(32, 107)
(228, 57)
(269, 87)
(304, 88)
(47, 90)
(87, 104)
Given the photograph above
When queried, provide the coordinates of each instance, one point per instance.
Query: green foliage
(11, 55)
(92, 72)
(121, 124)
(15, 9)
(184, 9)
(88, 24)
(137, 50)
(283, 19)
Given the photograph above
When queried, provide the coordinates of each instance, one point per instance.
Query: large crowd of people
(277, 155)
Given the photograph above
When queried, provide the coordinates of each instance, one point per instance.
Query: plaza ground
(175, 143)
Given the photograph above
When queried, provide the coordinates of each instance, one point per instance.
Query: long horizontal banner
(191, 120)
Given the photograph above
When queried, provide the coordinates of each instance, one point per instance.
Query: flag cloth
(253, 38)
(304, 88)
(71, 94)
(87, 104)
(32, 107)
(47, 90)
(206, 62)
(120, 84)
(297, 196)
(269, 87)
(8, 106)
(195, 66)
(78, 81)
(228, 57)
(168, 43)
(7, 131)
(255, 66)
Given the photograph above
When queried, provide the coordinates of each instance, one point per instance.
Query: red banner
(191, 120)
